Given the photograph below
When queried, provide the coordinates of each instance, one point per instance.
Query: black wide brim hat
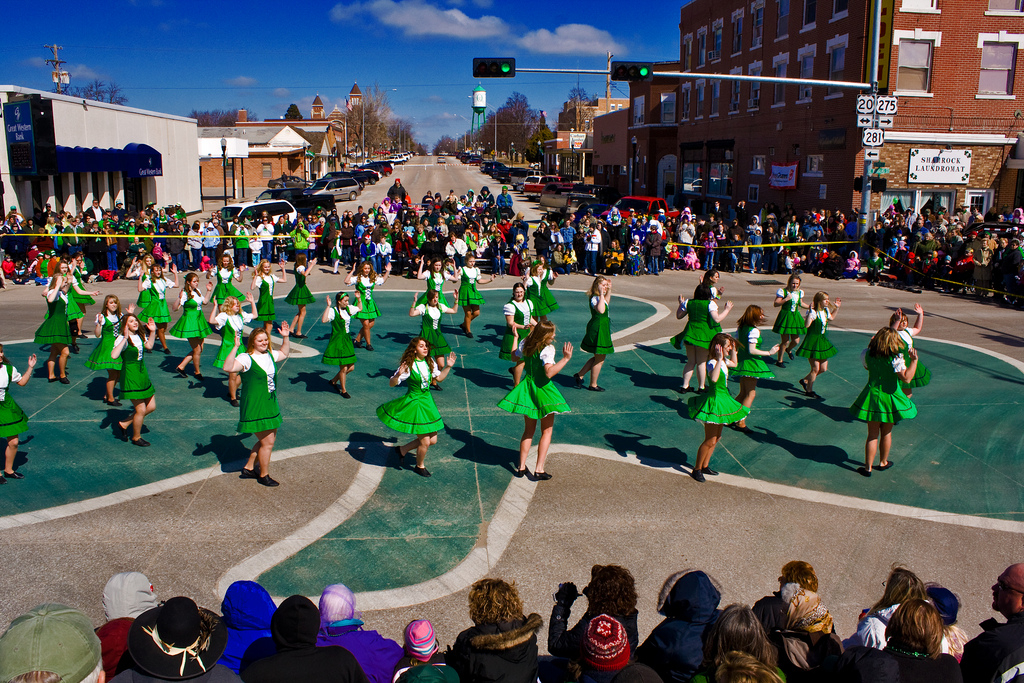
(171, 660)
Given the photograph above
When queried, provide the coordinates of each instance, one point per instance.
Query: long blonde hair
(258, 270)
(595, 287)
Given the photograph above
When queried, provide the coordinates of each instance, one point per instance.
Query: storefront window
(720, 179)
(900, 200)
(935, 201)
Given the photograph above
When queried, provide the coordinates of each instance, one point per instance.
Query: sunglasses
(1005, 587)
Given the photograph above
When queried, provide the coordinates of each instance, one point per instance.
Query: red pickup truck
(643, 205)
(533, 190)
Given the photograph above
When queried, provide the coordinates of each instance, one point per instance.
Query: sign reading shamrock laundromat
(939, 166)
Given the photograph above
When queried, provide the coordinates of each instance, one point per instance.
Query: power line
(60, 76)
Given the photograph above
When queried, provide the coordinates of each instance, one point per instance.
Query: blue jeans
(772, 261)
(709, 259)
(755, 261)
(112, 257)
(241, 256)
(653, 264)
(197, 256)
(211, 253)
(592, 262)
(498, 265)
(267, 251)
(346, 255)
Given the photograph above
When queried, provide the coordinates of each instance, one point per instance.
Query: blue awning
(136, 160)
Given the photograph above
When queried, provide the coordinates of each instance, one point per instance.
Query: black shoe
(249, 474)
(13, 475)
(166, 350)
(51, 380)
(708, 471)
(74, 348)
(298, 336)
(525, 472)
(140, 442)
(579, 380)
(422, 471)
(345, 394)
(115, 403)
(369, 347)
(790, 354)
(595, 388)
(64, 380)
(697, 475)
(267, 481)
(863, 471)
(803, 383)
(436, 387)
(234, 402)
(181, 373)
(541, 476)
(780, 364)
(199, 376)
(2, 481)
(120, 432)
(469, 334)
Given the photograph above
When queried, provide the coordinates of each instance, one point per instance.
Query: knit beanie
(605, 646)
(420, 642)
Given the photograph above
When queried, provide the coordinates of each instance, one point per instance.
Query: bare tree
(579, 110)
(513, 124)
(100, 91)
(446, 145)
(219, 117)
(371, 119)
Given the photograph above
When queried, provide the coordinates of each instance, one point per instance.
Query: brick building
(577, 117)
(952, 64)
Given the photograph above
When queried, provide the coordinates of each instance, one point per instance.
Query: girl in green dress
(435, 276)
(816, 347)
(13, 420)
(416, 413)
(365, 278)
(300, 295)
(536, 397)
(901, 324)
(141, 269)
(156, 307)
(106, 330)
(78, 299)
(468, 296)
(750, 365)
(340, 350)
(703, 322)
(715, 407)
(230, 320)
(519, 321)
(259, 411)
(789, 323)
(882, 402)
(129, 346)
(537, 290)
(55, 330)
(430, 313)
(226, 275)
(192, 324)
(264, 281)
(598, 337)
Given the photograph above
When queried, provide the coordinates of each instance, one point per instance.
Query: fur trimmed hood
(507, 635)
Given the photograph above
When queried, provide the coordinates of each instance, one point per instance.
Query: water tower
(479, 108)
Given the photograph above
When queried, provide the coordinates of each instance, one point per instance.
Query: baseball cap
(50, 637)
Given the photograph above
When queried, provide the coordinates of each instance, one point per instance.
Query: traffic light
(494, 67)
(632, 71)
(877, 184)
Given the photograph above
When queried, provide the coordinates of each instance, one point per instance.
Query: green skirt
(100, 358)
(752, 367)
(789, 322)
(259, 416)
(77, 304)
(226, 344)
(190, 325)
(145, 297)
(13, 420)
(698, 334)
(442, 302)
(508, 348)
(545, 303)
(922, 376)
(370, 310)
(225, 289)
(816, 347)
(135, 383)
(875, 405)
(265, 309)
(300, 296)
(340, 350)
(469, 295)
(54, 330)
(714, 407)
(438, 345)
(598, 337)
(526, 398)
(413, 413)
(158, 310)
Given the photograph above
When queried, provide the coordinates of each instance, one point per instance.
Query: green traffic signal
(494, 67)
(632, 71)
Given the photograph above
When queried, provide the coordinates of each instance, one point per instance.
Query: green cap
(50, 637)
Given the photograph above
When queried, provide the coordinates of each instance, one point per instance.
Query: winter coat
(995, 652)
(806, 657)
(871, 630)
(568, 644)
(868, 665)
(497, 653)
(294, 628)
(247, 610)
(217, 674)
(773, 612)
(675, 648)
(376, 654)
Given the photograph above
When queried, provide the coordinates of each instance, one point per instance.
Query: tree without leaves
(516, 123)
(99, 91)
(446, 145)
(219, 117)
(579, 109)
(293, 113)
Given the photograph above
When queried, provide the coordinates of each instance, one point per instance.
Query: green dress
(922, 376)
(469, 295)
(536, 395)
(598, 337)
(230, 327)
(715, 405)
(539, 295)
(748, 365)
(258, 411)
(416, 412)
(225, 287)
(300, 294)
(55, 329)
(700, 328)
(265, 302)
(135, 384)
(521, 313)
(100, 358)
(789, 320)
(365, 288)
(882, 398)
(78, 301)
(157, 308)
(340, 350)
(429, 330)
(816, 344)
(192, 322)
(435, 283)
(145, 296)
(13, 420)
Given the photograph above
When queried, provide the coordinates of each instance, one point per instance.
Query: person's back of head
(915, 628)
(902, 585)
(295, 624)
(798, 571)
(128, 594)
(51, 642)
(494, 601)
(738, 629)
(739, 667)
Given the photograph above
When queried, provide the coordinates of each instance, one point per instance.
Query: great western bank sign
(939, 166)
(21, 143)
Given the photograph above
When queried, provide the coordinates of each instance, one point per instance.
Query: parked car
(532, 190)
(253, 211)
(644, 205)
(555, 196)
(474, 160)
(442, 160)
(302, 202)
(287, 181)
(517, 176)
(384, 168)
(343, 189)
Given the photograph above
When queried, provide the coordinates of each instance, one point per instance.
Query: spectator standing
(998, 653)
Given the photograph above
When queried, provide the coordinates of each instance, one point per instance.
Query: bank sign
(21, 143)
(940, 166)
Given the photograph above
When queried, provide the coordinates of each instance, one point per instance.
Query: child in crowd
(635, 256)
(675, 261)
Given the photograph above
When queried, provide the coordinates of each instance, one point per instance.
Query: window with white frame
(806, 71)
(919, 6)
(780, 88)
(1006, 5)
(758, 164)
(716, 43)
(782, 28)
(716, 92)
(687, 53)
(700, 100)
(755, 88)
(638, 110)
(737, 33)
(997, 62)
(757, 24)
(668, 107)
(810, 12)
(684, 103)
(915, 65)
(840, 7)
(702, 46)
(815, 165)
(836, 66)
(734, 96)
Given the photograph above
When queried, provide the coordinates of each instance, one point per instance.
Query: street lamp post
(224, 166)
(511, 152)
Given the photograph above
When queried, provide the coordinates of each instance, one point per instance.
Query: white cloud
(571, 39)
(434, 99)
(83, 72)
(418, 18)
(282, 92)
(241, 81)
(341, 13)
(37, 62)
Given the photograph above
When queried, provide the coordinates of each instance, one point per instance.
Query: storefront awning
(136, 160)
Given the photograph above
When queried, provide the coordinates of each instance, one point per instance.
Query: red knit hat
(605, 646)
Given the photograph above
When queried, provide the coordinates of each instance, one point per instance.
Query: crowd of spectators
(909, 634)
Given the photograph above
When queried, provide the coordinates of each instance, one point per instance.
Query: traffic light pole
(864, 220)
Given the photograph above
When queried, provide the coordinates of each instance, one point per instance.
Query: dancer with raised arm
(750, 365)
(538, 291)
(156, 303)
(430, 315)
(265, 281)
(107, 322)
(435, 276)
(816, 347)
(55, 330)
(13, 420)
(519, 321)
(365, 278)
(192, 324)
(900, 323)
(130, 347)
(715, 407)
(598, 337)
(703, 322)
(789, 322)
(229, 319)
(300, 295)
(340, 350)
(468, 295)
(226, 275)
(78, 299)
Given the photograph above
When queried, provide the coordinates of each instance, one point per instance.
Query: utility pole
(61, 78)
(864, 220)
(608, 85)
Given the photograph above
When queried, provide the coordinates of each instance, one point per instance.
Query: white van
(253, 211)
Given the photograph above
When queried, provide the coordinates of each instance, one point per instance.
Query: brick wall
(250, 170)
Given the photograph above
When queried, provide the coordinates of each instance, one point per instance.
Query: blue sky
(176, 55)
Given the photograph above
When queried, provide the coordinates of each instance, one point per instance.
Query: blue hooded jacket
(246, 610)
(675, 648)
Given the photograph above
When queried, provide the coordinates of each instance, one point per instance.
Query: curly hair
(612, 590)
(494, 601)
(409, 355)
(800, 572)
